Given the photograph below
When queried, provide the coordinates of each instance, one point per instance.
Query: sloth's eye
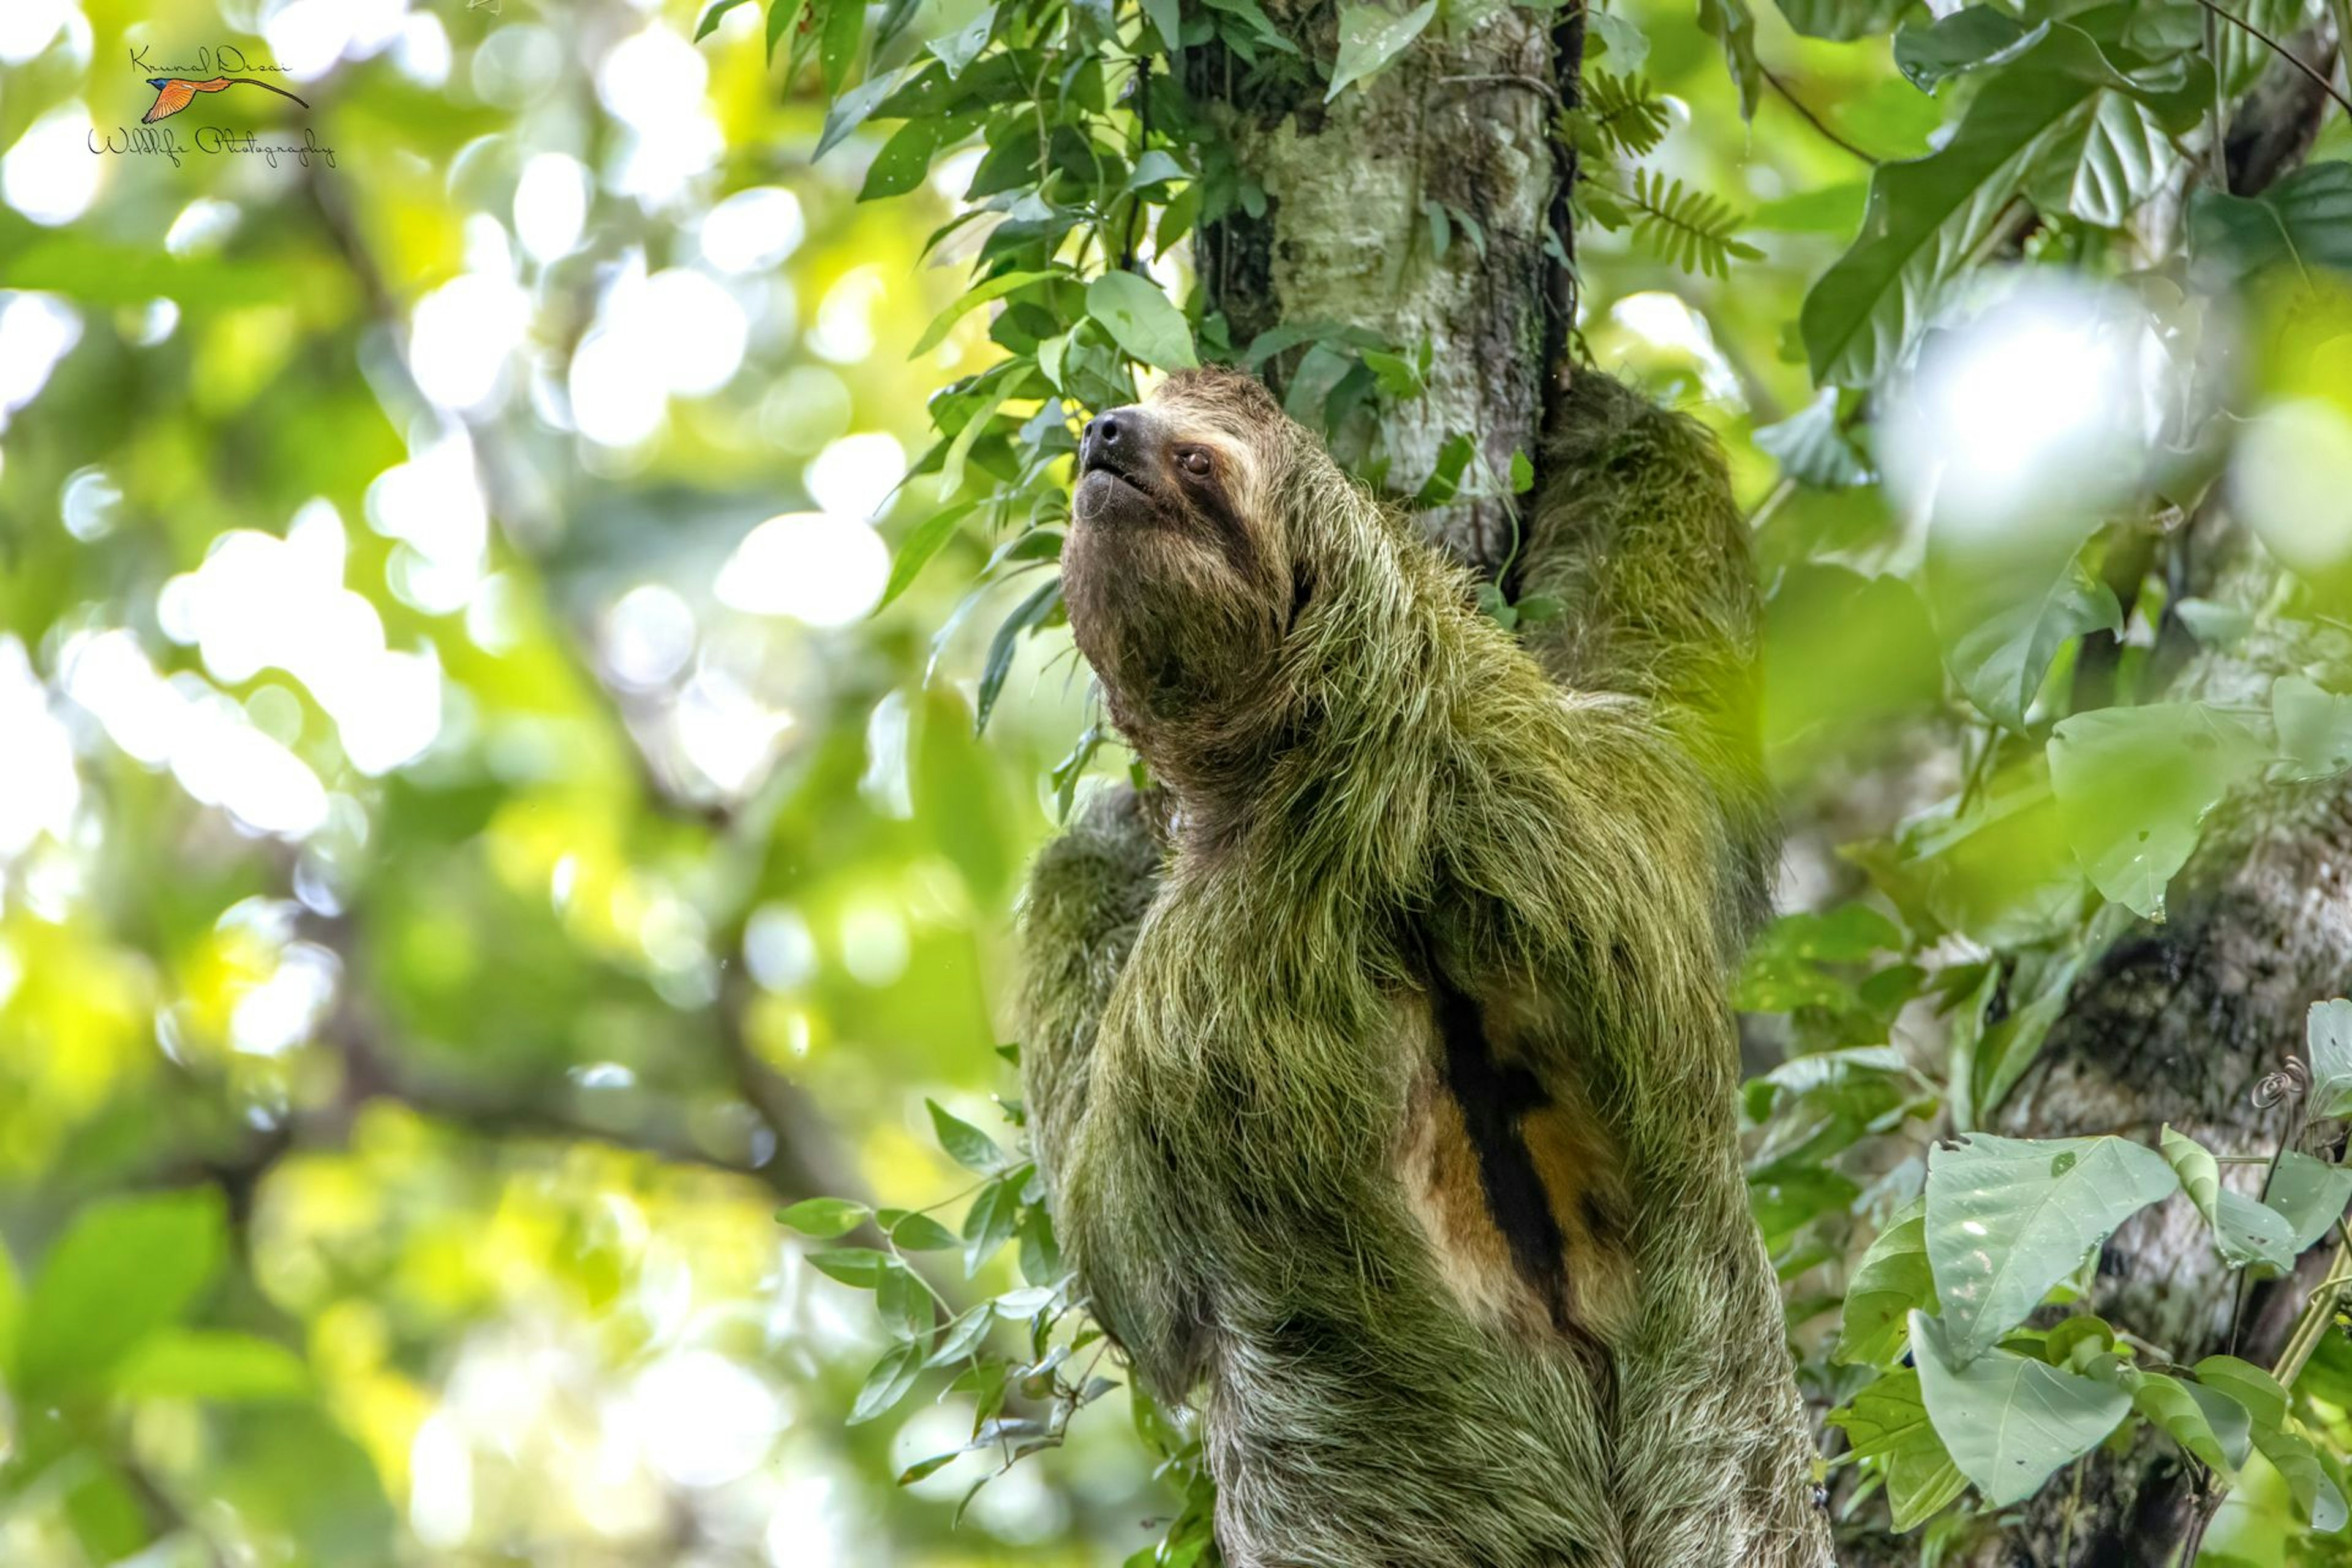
(1193, 461)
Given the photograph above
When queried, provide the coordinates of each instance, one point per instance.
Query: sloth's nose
(1116, 440)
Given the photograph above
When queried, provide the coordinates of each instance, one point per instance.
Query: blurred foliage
(466, 860)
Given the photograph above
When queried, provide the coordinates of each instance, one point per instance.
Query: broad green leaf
(1927, 216)
(1975, 35)
(123, 1268)
(976, 421)
(2103, 164)
(2008, 1421)
(1370, 36)
(2309, 1194)
(782, 17)
(823, 1219)
(2246, 1231)
(960, 47)
(861, 1267)
(1142, 321)
(1814, 447)
(1166, 21)
(1892, 1281)
(190, 1364)
(2327, 1041)
(1844, 21)
(2264, 1399)
(2214, 1429)
(921, 1233)
(2316, 1492)
(2133, 787)
(2009, 1218)
(1887, 1429)
(971, 299)
(2003, 623)
(888, 1383)
(2304, 221)
(1624, 44)
(2315, 728)
(966, 1145)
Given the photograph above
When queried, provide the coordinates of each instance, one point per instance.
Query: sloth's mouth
(1106, 487)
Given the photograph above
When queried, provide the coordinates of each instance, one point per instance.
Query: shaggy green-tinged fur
(1376, 796)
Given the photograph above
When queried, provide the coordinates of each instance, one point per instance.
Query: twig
(2289, 56)
(1815, 120)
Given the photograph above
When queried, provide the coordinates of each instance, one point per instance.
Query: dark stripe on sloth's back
(1496, 1100)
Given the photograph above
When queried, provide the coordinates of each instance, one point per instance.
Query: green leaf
(852, 110)
(191, 1364)
(1887, 1429)
(2314, 730)
(837, 49)
(971, 299)
(962, 47)
(2316, 1492)
(2009, 1218)
(1370, 36)
(2102, 166)
(2213, 1428)
(2133, 787)
(1523, 473)
(888, 1383)
(988, 1225)
(123, 1268)
(1814, 447)
(821, 1219)
(1844, 21)
(782, 17)
(1972, 37)
(966, 1145)
(2009, 1421)
(1026, 617)
(1142, 321)
(1892, 1281)
(914, 551)
(903, 161)
(1397, 376)
(1167, 21)
(2309, 1194)
(976, 421)
(964, 1335)
(2264, 1399)
(861, 1267)
(711, 18)
(1732, 25)
(2002, 623)
(1927, 216)
(2246, 1231)
(2328, 1039)
(921, 1233)
(2305, 220)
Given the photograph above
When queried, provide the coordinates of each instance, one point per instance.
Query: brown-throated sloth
(1380, 1061)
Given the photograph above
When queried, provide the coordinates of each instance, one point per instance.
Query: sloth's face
(1174, 570)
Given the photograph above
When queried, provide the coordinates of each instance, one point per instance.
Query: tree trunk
(1462, 121)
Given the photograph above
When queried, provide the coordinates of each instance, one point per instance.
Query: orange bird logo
(174, 93)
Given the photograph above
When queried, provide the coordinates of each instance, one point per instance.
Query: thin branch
(2289, 56)
(1536, 85)
(1815, 120)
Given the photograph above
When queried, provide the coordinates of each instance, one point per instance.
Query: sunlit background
(461, 821)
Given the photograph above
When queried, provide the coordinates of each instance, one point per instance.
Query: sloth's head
(1179, 569)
